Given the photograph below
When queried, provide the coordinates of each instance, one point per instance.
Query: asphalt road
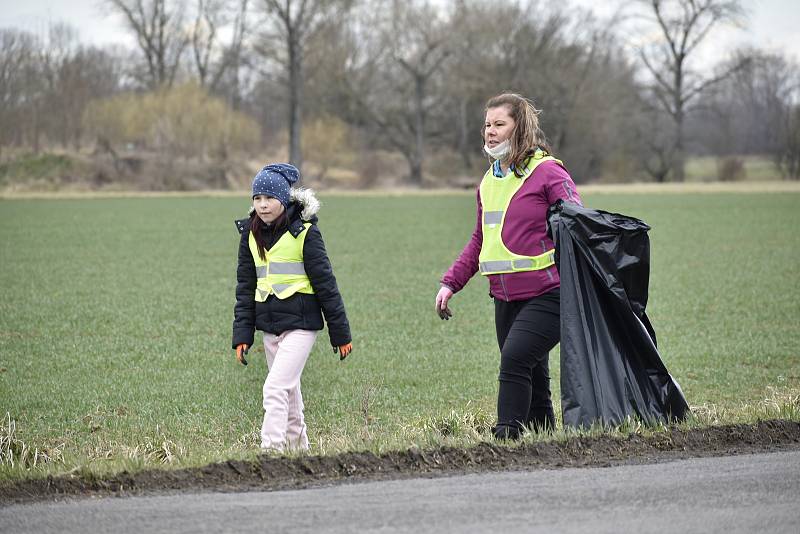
(752, 493)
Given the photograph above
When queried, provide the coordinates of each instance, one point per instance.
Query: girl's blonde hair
(527, 136)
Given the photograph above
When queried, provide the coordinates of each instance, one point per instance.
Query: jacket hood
(302, 199)
(306, 200)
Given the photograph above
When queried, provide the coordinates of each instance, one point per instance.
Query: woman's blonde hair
(527, 136)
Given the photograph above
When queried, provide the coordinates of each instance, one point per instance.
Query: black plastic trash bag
(610, 366)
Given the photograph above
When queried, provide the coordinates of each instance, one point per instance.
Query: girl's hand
(343, 350)
(241, 350)
(442, 298)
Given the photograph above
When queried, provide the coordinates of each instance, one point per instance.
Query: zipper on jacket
(503, 285)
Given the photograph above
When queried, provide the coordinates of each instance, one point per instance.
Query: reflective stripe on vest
(283, 267)
(534, 263)
(496, 194)
(282, 273)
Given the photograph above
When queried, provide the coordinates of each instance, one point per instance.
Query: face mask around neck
(498, 152)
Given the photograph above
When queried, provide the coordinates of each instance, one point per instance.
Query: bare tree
(465, 74)
(295, 21)
(769, 89)
(213, 58)
(62, 101)
(656, 147)
(586, 88)
(519, 58)
(420, 47)
(568, 63)
(395, 87)
(89, 74)
(683, 25)
(34, 96)
(742, 115)
(17, 50)
(46, 83)
(160, 36)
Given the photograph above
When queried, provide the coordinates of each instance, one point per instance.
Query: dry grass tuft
(15, 453)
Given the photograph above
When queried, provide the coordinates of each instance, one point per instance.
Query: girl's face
(268, 208)
(498, 126)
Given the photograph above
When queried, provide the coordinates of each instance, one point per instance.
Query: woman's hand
(442, 298)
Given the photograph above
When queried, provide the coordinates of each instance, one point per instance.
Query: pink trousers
(284, 425)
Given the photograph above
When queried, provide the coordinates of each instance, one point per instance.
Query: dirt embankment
(275, 473)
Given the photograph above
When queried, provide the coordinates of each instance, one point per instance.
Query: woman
(510, 246)
(285, 284)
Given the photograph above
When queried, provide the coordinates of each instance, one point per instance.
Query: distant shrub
(42, 168)
(730, 169)
(325, 144)
(183, 121)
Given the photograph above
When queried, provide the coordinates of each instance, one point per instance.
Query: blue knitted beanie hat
(275, 180)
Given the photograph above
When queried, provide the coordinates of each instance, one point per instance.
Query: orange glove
(343, 350)
(241, 351)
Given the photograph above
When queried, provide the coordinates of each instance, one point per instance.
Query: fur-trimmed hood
(305, 199)
(302, 201)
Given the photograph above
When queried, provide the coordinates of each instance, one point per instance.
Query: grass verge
(116, 313)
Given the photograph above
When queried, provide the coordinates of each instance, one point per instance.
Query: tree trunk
(419, 125)
(36, 129)
(295, 102)
(660, 174)
(235, 98)
(76, 138)
(679, 157)
(415, 168)
(463, 133)
(679, 164)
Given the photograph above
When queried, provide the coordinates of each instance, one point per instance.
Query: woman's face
(267, 208)
(498, 126)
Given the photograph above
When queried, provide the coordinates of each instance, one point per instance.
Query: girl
(285, 285)
(510, 246)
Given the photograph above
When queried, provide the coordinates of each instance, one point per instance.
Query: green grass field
(115, 322)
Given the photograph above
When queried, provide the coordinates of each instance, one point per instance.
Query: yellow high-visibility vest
(282, 273)
(496, 194)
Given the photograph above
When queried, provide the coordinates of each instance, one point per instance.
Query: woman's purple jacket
(524, 233)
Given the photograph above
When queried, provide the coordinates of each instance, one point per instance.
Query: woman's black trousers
(526, 332)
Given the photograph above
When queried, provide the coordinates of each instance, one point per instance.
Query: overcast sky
(771, 24)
